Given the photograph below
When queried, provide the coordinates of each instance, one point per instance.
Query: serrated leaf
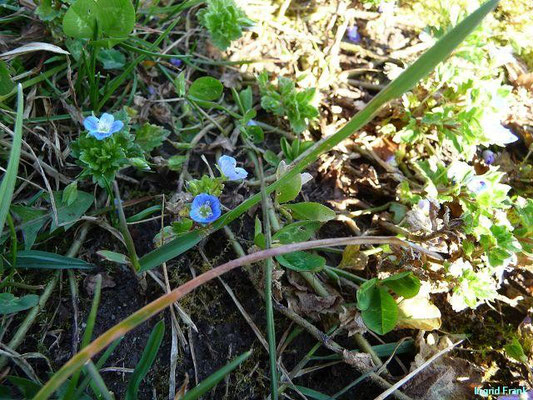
(206, 88)
(175, 163)
(10, 304)
(297, 232)
(150, 136)
(382, 314)
(311, 211)
(418, 313)
(404, 284)
(302, 261)
(364, 294)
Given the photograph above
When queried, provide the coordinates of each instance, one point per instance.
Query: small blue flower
(477, 185)
(176, 62)
(151, 90)
(488, 157)
(103, 127)
(205, 209)
(424, 205)
(251, 123)
(353, 34)
(228, 167)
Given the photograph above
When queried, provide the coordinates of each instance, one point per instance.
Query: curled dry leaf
(352, 321)
(353, 258)
(312, 305)
(362, 361)
(32, 47)
(418, 313)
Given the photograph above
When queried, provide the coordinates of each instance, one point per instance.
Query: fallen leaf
(352, 258)
(32, 47)
(90, 283)
(418, 313)
(351, 320)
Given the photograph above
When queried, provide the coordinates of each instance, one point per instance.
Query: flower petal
(91, 123)
(240, 173)
(107, 119)
(116, 126)
(227, 165)
(99, 135)
(201, 200)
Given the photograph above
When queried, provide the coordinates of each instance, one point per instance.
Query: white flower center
(104, 126)
(205, 210)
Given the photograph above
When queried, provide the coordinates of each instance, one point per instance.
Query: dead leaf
(183, 389)
(362, 361)
(418, 313)
(312, 305)
(526, 80)
(351, 320)
(90, 283)
(352, 258)
(32, 47)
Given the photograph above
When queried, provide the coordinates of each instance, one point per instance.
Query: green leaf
(398, 210)
(114, 18)
(113, 256)
(312, 394)
(259, 237)
(46, 12)
(404, 284)
(206, 88)
(150, 136)
(10, 304)
(68, 215)
(515, 350)
(147, 359)
(271, 158)
(364, 294)
(46, 260)
(297, 232)
(10, 177)
(208, 383)
(289, 190)
(302, 261)
(28, 388)
(32, 222)
(382, 313)
(311, 211)
(70, 194)
(408, 79)
(111, 58)
(175, 163)
(6, 83)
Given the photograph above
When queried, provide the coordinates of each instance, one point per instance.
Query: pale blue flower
(424, 205)
(176, 62)
(477, 185)
(205, 209)
(228, 167)
(488, 157)
(353, 35)
(102, 127)
(251, 123)
(495, 132)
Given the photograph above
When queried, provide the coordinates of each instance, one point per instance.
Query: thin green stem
(123, 228)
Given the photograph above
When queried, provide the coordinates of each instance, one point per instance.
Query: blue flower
(176, 62)
(488, 157)
(205, 209)
(228, 167)
(103, 127)
(251, 123)
(477, 185)
(353, 34)
(424, 205)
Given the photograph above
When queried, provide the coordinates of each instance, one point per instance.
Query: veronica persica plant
(205, 209)
(102, 127)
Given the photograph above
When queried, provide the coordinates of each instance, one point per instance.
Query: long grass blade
(45, 260)
(407, 80)
(208, 383)
(147, 359)
(7, 187)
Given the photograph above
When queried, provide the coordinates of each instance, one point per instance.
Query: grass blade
(7, 187)
(407, 80)
(147, 359)
(208, 383)
(45, 260)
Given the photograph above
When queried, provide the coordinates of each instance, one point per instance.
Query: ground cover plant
(268, 199)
